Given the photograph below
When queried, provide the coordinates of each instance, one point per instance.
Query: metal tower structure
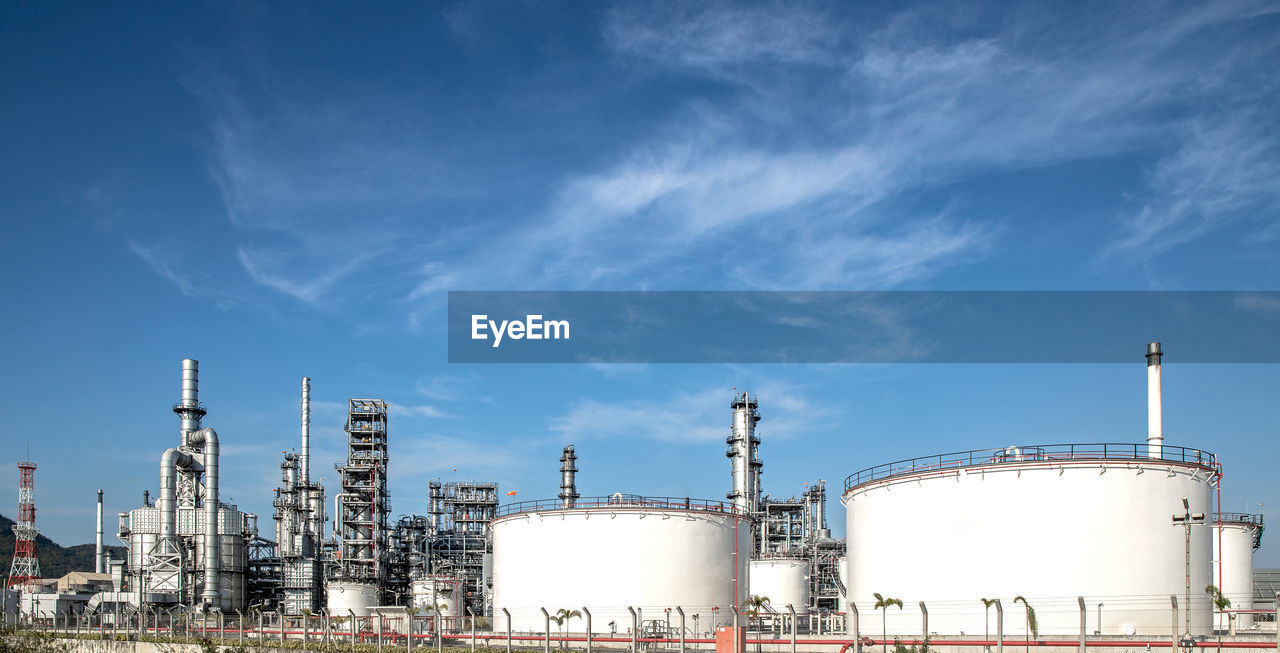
(459, 537)
(361, 522)
(746, 463)
(299, 516)
(25, 567)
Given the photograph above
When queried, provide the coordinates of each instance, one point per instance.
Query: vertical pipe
(588, 613)
(1155, 411)
(635, 630)
(306, 430)
(212, 558)
(99, 562)
(1173, 631)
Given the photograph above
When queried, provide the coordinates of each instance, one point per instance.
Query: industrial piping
(99, 563)
(212, 562)
(1155, 416)
(170, 461)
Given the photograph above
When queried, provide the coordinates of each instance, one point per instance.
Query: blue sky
(291, 189)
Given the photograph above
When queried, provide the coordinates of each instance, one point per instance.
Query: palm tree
(562, 615)
(883, 603)
(757, 604)
(1221, 603)
(986, 633)
(1032, 627)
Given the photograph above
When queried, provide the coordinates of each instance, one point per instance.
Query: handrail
(1029, 453)
(619, 501)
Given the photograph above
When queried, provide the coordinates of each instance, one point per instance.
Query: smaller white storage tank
(1235, 537)
(784, 580)
(345, 598)
(436, 596)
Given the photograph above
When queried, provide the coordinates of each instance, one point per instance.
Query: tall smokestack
(189, 409)
(1155, 410)
(306, 430)
(99, 563)
(568, 485)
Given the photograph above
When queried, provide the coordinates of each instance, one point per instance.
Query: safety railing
(1029, 453)
(619, 501)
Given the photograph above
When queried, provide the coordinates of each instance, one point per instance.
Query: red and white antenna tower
(26, 568)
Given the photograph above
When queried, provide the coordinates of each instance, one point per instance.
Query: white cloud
(692, 416)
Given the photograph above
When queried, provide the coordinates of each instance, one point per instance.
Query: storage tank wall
(1046, 531)
(784, 581)
(1235, 579)
(608, 559)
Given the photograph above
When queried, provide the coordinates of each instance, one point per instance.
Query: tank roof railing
(1029, 453)
(1237, 518)
(626, 501)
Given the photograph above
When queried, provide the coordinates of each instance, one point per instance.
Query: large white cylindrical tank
(436, 595)
(1046, 523)
(611, 554)
(1234, 540)
(343, 598)
(784, 581)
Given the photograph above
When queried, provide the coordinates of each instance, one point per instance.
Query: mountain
(55, 560)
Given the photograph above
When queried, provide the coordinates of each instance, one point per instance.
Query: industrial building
(1134, 523)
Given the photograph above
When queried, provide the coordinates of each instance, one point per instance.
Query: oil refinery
(1134, 524)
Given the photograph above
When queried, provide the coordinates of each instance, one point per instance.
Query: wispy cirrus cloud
(699, 415)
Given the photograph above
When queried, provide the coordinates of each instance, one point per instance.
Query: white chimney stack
(1155, 410)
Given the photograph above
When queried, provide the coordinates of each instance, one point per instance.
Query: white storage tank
(1235, 537)
(342, 598)
(784, 581)
(436, 595)
(611, 553)
(1048, 523)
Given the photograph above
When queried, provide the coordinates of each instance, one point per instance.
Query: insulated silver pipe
(187, 408)
(212, 561)
(170, 461)
(306, 430)
(99, 564)
(1155, 409)
(568, 485)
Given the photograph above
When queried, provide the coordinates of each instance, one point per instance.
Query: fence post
(857, 636)
(508, 614)
(635, 630)
(999, 627)
(680, 611)
(353, 626)
(588, 613)
(924, 622)
(792, 609)
(1173, 632)
(408, 629)
(472, 616)
(378, 616)
(1084, 626)
(546, 631)
(1277, 619)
